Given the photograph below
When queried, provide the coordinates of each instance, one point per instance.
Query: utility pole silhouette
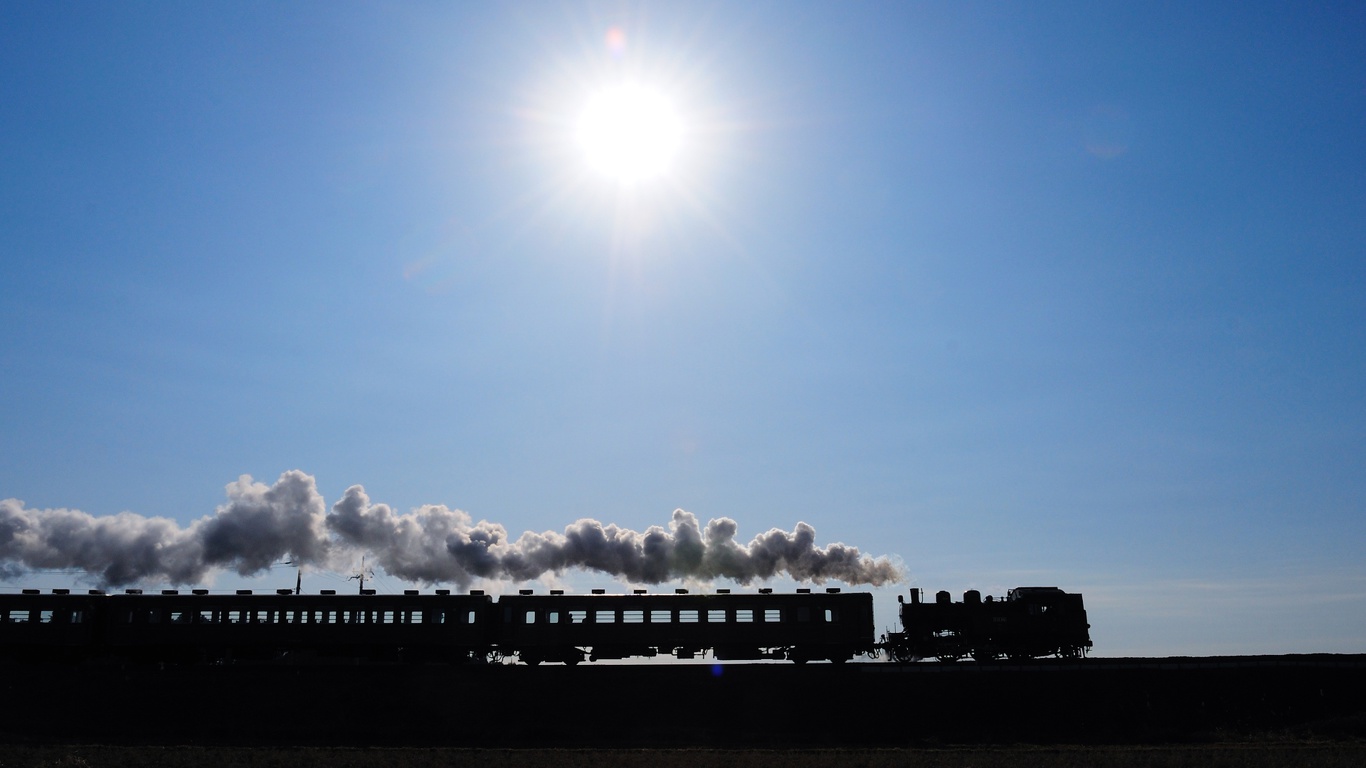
(363, 573)
(298, 575)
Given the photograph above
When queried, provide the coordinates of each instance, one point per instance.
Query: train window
(234, 616)
(552, 617)
(45, 617)
(530, 617)
(153, 617)
(659, 616)
(773, 615)
(180, 617)
(264, 617)
(687, 616)
(744, 615)
(803, 614)
(386, 617)
(633, 617)
(831, 616)
(578, 617)
(415, 617)
(472, 617)
(605, 617)
(206, 617)
(77, 617)
(716, 616)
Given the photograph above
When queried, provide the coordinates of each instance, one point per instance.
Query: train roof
(596, 594)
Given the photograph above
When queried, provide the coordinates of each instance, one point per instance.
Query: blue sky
(1063, 293)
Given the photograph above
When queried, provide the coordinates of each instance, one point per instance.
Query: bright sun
(629, 133)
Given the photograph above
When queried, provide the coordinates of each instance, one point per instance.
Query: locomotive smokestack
(261, 525)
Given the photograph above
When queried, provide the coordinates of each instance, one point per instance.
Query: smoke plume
(261, 525)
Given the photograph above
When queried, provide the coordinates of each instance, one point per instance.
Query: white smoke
(261, 525)
(258, 526)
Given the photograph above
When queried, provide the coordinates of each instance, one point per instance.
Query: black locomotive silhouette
(1030, 622)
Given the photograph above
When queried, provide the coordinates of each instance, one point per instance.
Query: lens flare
(616, 41)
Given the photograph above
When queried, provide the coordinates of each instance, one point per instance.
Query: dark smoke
(261, 525)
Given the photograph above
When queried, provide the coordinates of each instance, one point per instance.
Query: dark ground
(1279, 755)
(1309, 710)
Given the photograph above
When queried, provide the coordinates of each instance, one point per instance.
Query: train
(802, 626)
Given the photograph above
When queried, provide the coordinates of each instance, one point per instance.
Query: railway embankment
(768, 706)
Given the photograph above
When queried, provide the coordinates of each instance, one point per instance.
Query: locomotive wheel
(901, 655)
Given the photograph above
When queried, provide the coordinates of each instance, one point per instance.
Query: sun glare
(629, 133)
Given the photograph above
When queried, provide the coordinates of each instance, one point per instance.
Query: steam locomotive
(1030, 622)
(803, 626)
